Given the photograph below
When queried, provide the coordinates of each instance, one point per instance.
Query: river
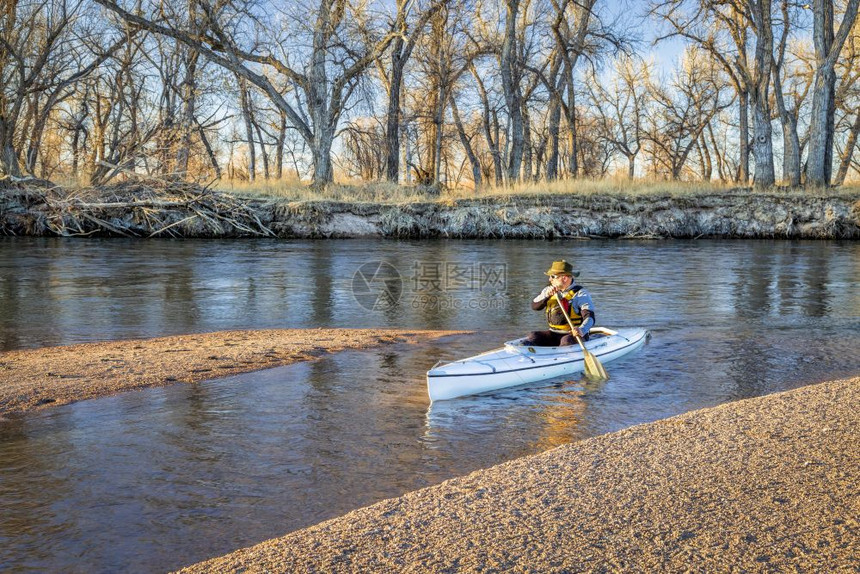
(152, 480)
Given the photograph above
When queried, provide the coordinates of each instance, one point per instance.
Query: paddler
(577, 303)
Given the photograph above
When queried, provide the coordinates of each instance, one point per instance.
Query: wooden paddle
(593, 368)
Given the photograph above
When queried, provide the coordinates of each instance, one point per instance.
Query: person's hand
(548, 292)
(576, 332)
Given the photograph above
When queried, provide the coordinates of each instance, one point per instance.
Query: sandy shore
(762, 485)
(35, 378)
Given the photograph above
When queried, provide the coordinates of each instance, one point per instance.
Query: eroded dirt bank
(770, 484)
(188, 211)
(35, 378)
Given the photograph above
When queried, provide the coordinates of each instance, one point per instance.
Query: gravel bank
(51, 376)
(762, 485)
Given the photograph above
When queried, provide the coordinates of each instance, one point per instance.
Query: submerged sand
(768, 484)
(35, 378)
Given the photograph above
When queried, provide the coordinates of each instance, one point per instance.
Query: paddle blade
(593, 368)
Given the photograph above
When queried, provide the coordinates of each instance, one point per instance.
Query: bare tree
(691, 20)
(788, 115)
(447, 53)
(408, 34)
(120, 128)
(681, 111)
(511, 72)
(571, 43)
(490, 124)
(364, 140)
(828, 45)
(620, 108)
(466, 141)
(848, 102)
(342, 41)
(45, 49)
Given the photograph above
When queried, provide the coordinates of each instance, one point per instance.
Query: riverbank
(37, 378)
(764, 484)
(186, 210)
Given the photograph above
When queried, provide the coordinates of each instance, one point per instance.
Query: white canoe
(518, 364)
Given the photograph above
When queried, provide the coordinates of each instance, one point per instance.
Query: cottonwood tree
(848, 100)
(680, 111)
(178, 68)
(491, 103)
(511, 71)
(721, 28)
(120, 128)
(46, 47)
(365, 152)
(447, 53)
(788, 99)
(620, 107)
(411, 23)
(570, 30)
(340, 40)
(467, 137)
(828, 45)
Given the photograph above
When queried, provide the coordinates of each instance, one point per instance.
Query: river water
(153, 480)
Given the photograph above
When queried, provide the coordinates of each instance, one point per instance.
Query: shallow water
(152, 480)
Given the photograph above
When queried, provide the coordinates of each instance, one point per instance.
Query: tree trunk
(263, 155)
(438, 132)
(249, 128)
(492, 142)
(321, 152)
(707, 165)
(850, 144)
(790, 140)
(819, 163)
(788, 119)
(571, 125)
(717, 153)
(743, 120)
(392, 123)
(8, 158)
(189, 109)
(497, 153)
(467, 145)
(553, 127)
(527, 144)
(35, 144)
(279, 147)
(210, 152)
(763, 140)
(791, 157)
(821, 132)
(318, 99)
(510, 74)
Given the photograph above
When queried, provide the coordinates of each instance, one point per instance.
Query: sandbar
(50, 376)
(768, 484)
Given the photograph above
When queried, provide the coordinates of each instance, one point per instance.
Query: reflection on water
(152, 480)
(111, 289)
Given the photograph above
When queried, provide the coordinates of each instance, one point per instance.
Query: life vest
(554, 317)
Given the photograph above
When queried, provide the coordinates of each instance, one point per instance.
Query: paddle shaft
(569, 322)
(593, 367)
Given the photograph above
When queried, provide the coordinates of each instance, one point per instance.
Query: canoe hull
(517, 364)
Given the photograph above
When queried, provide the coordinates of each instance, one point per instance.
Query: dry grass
(387, 193)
